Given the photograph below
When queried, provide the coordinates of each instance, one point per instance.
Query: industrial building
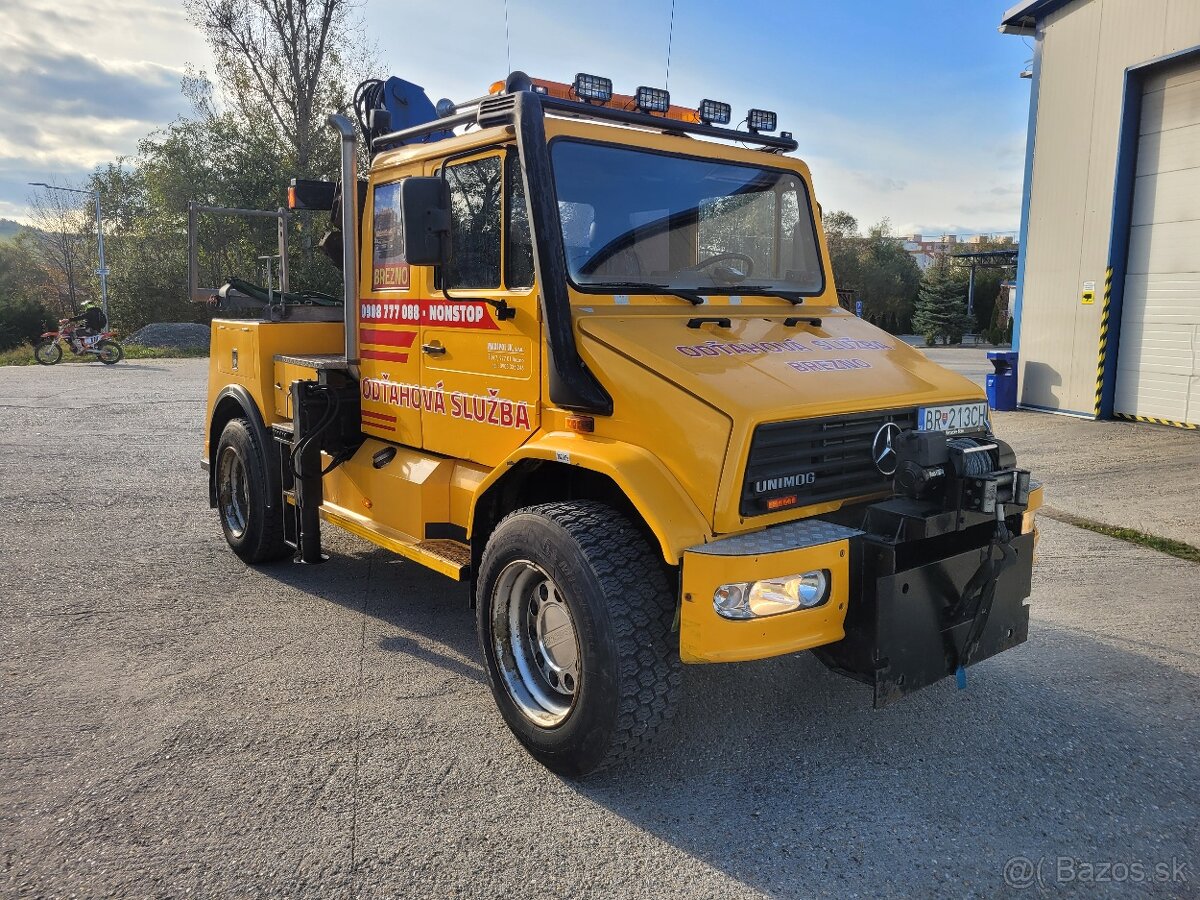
(1108, 303)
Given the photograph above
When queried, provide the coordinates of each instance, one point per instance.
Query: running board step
(451, 558)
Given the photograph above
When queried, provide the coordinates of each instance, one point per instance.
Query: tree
(987, 281)
(64, 245)
(23, 314)
(941, 310)
(877, 267)
(277, 56)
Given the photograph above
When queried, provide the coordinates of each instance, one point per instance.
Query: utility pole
(102, 271)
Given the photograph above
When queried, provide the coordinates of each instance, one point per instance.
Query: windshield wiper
(761, 289)
(690, 296)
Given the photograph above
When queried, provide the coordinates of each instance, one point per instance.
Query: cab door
(389, 316)
(481, 327)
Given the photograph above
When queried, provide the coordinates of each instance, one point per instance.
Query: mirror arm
(504, 312)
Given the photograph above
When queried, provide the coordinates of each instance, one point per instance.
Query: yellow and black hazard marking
(1190, 426)
(1108, 276)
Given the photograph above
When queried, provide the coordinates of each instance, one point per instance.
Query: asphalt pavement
(173, 723)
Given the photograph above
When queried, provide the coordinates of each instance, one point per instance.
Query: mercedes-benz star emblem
(882, 450)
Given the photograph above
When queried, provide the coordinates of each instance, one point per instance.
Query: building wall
(1085, 48)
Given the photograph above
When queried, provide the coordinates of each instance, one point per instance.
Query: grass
(1171, 547)
(23, 355)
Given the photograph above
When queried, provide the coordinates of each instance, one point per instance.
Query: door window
(389, 271)
(475, 232)
(518, 261)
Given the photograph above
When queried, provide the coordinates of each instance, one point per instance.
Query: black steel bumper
(909, 624)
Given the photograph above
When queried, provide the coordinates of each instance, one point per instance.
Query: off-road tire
(261, 538)
(48, 353)
(623, 604)
(120, 354)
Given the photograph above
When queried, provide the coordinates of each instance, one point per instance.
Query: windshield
(636, 219)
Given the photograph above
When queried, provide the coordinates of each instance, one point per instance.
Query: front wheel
(47, 353)
(110, 352)
(575, 616)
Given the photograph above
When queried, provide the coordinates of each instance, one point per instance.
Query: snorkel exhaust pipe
(345, 128)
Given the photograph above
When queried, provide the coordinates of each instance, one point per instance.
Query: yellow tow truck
(590, 358)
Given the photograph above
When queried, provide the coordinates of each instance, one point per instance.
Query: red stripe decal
(383, 417)
(379, 426)
(387, 338)
(384, 355)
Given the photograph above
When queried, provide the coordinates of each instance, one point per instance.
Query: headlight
(772, 596)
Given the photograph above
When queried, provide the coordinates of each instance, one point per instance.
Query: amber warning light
(598, 91)
(305, 193)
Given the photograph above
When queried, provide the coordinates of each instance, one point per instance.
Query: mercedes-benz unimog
(590, 359)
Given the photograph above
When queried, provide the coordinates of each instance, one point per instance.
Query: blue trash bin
(1001, 385)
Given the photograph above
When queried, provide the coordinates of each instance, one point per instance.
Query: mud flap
(905, 629)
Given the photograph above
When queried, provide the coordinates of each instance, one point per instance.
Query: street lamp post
(103, 270)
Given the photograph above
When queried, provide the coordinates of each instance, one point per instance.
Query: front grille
(816, 460)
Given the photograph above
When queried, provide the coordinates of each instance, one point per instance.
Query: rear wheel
(574, 613)
(110, 352)
(253, 529)
(47, 353)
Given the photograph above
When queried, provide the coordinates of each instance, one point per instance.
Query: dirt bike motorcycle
(103, 345)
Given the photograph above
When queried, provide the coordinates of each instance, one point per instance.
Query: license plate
(956, 418)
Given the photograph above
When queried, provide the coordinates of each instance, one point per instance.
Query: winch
(966, 472)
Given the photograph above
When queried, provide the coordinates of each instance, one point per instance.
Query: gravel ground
(176, 724)
(173, 335)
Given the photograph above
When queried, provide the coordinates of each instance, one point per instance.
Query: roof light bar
(761, 120)
(714, 112)
(652, 100)
(592, 87)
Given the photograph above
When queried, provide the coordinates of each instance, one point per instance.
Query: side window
(389, 271)
(799, 259)
(577, 221)
(475, 206)
(518, 260)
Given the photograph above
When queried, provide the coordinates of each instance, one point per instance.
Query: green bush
(23, 321)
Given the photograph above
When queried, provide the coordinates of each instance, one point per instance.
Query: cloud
(43, 82)
(880, 183)
(84, 82)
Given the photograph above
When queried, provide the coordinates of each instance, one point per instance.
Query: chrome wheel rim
(535, 643)
(233, 491)
(108, 353)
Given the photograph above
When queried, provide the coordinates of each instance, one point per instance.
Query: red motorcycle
(103, 346)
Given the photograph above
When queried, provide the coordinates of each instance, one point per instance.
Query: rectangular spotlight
(652, 100)
(761, 120)
(714, 112)
(592, 87)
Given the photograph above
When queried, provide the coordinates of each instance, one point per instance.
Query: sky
(912, 110)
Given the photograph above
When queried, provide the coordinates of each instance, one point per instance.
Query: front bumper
(706, 636)
(896, 617)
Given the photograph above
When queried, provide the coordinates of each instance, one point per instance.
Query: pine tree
(941, 310)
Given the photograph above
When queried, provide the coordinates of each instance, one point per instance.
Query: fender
(243, 398)
(656, 494)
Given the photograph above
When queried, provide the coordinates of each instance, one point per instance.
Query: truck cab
(590, 358)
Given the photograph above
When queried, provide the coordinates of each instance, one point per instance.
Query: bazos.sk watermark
(1045, 872)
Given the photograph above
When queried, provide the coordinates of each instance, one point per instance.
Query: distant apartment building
(926, 250)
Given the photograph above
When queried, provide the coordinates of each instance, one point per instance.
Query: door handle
(433, 349)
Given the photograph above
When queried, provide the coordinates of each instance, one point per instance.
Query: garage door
(1158, 365)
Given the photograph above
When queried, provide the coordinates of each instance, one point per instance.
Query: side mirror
(425, 206)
